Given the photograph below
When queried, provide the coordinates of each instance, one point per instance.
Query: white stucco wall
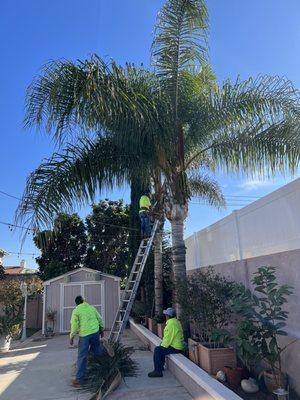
(267, 226)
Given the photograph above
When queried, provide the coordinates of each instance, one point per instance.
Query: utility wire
(9, 195)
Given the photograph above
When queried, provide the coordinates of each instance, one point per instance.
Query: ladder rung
(126, 301)
(132, 281)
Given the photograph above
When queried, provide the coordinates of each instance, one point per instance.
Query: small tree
(108, 237)
(205, 301)
(63, 248)
(263, 320)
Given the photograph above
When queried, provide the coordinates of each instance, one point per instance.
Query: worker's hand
(72, 342)
(101, 334)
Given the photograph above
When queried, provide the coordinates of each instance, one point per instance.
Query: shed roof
(116, 278)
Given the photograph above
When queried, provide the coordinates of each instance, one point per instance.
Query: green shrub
(205, 301)
(263, 319)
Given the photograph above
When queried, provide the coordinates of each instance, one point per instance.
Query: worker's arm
(168, 336)
(100, 320)
(74, 324)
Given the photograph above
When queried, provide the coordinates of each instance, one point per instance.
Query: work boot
(76, 384)
(155, 374)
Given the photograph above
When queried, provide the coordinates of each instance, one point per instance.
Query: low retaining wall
(197, 382)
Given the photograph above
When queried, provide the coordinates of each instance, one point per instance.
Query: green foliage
(11, 298)
(63, 249)
(108, 238)
(263, 318)
(102, 370)
(2, 272)
(205, 301)
(9, 326)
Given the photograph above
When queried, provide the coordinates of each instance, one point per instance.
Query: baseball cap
(170, 312)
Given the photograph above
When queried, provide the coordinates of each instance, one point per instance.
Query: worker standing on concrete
(172, 343)
(88, 324)
(145, 207)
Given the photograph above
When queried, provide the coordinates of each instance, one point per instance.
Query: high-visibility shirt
(173, 335)
(145, 203)
(85, 320)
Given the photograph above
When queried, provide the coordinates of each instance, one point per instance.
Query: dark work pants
(159, 356)
(87, 343)
(145, 224)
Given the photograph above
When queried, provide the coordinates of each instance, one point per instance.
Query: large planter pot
(152, 325)
(273, 381)
(233, 376)
(5, 343)
(160, 329)
(213, 360)
(193, 351)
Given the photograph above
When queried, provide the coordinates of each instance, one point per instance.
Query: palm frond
(179, 45)
(207, 189)
(180, 37)
(89, 95)
(250, 126)
(77, 174)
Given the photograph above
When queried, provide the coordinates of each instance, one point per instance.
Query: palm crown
(174, 120)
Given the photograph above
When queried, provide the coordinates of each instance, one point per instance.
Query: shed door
(92, 292)
(70, 291)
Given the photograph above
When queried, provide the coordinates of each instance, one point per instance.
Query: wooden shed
(99, 289)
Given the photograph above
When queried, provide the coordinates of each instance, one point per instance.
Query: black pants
(159, 356)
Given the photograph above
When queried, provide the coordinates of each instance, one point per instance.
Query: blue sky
(247, 38)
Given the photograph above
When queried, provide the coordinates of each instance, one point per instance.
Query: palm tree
(175, 117)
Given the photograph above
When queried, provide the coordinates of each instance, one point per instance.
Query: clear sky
(247, 38)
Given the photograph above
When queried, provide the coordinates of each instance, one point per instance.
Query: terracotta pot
(152, 325)
(273, 381)
(193, 351)
(213, 360)
(233, 376)
(160, 329)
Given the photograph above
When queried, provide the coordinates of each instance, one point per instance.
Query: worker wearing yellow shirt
(88, 324)
(145, 206)
(172, 343)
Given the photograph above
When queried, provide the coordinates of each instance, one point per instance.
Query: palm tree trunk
(178, 216)
(158, 272)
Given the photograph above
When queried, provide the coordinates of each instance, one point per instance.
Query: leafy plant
(9, 326)
(205, 301)
(102, 370)
(159, 319)
(140, 309)
(11, 298)
(263, 319)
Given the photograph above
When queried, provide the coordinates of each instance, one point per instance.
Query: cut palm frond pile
(103, 370)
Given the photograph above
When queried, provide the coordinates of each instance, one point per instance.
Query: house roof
(13, 270)
(116, 278)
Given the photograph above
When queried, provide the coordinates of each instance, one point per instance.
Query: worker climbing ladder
(132, 286)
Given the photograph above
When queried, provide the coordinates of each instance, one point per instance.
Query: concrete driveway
(40, 370)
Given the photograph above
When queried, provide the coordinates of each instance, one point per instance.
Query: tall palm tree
(187, 126)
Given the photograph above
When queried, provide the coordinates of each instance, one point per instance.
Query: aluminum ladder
(132, 286)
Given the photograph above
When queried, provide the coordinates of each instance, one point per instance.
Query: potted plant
(8, 326)
(160, 324)
(152, 325)
(50, 321)
(263, 319)
(204, 298)
(139, 313)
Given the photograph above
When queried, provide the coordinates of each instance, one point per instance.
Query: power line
(9, 195)
(15, 226)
